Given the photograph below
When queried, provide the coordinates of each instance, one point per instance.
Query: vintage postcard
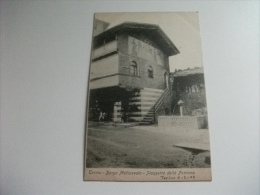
(146, 112)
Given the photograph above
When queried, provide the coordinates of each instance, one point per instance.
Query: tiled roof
(186, 72)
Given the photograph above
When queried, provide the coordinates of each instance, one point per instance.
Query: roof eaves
(172, 48)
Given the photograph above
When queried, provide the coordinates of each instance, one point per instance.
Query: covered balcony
(105, 49)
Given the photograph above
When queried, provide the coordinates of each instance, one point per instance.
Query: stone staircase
(161, 99)
(149, 118)
(148, 101)
(145, 102)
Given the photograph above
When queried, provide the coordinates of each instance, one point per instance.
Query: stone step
(146, 108)
(144, 98)
(149, 114)
(142, 103)
(150, 94)
(147, 120)
(142, 108)
(138, 113)
(152, 89)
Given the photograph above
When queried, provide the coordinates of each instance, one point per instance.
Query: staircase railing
(161, 99)
(159, 102)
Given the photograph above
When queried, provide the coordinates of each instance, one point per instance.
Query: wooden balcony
(104, 67)
(105, 49)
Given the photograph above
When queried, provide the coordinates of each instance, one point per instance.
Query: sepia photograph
(147, 116)
(129, 97)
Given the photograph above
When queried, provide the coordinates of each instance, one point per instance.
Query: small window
(150, 72)
(133, 68)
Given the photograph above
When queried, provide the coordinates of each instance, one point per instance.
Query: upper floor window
(150, 72)
(194, 88)
(133, 68)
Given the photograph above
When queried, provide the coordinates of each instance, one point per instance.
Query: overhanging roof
(188, 72)
(152, 31)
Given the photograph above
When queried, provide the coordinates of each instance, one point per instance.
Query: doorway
(166, 80)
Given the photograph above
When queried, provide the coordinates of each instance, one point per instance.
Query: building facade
(129, 72)
(188, 86)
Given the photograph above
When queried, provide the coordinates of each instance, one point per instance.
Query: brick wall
(141, 80)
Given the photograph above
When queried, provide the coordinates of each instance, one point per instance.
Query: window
(193, 88)
(133, 68)
(150, 72)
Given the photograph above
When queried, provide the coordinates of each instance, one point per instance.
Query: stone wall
(140, 80)
(182, 122)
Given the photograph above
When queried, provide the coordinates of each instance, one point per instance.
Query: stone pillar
(181, 110)
(180, 103)
(117, 112)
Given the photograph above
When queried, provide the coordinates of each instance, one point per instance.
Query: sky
(181, 27)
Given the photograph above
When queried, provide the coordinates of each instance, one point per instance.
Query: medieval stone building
(129, 73)
(188, 86)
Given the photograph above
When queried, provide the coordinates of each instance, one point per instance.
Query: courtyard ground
(111, 146)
